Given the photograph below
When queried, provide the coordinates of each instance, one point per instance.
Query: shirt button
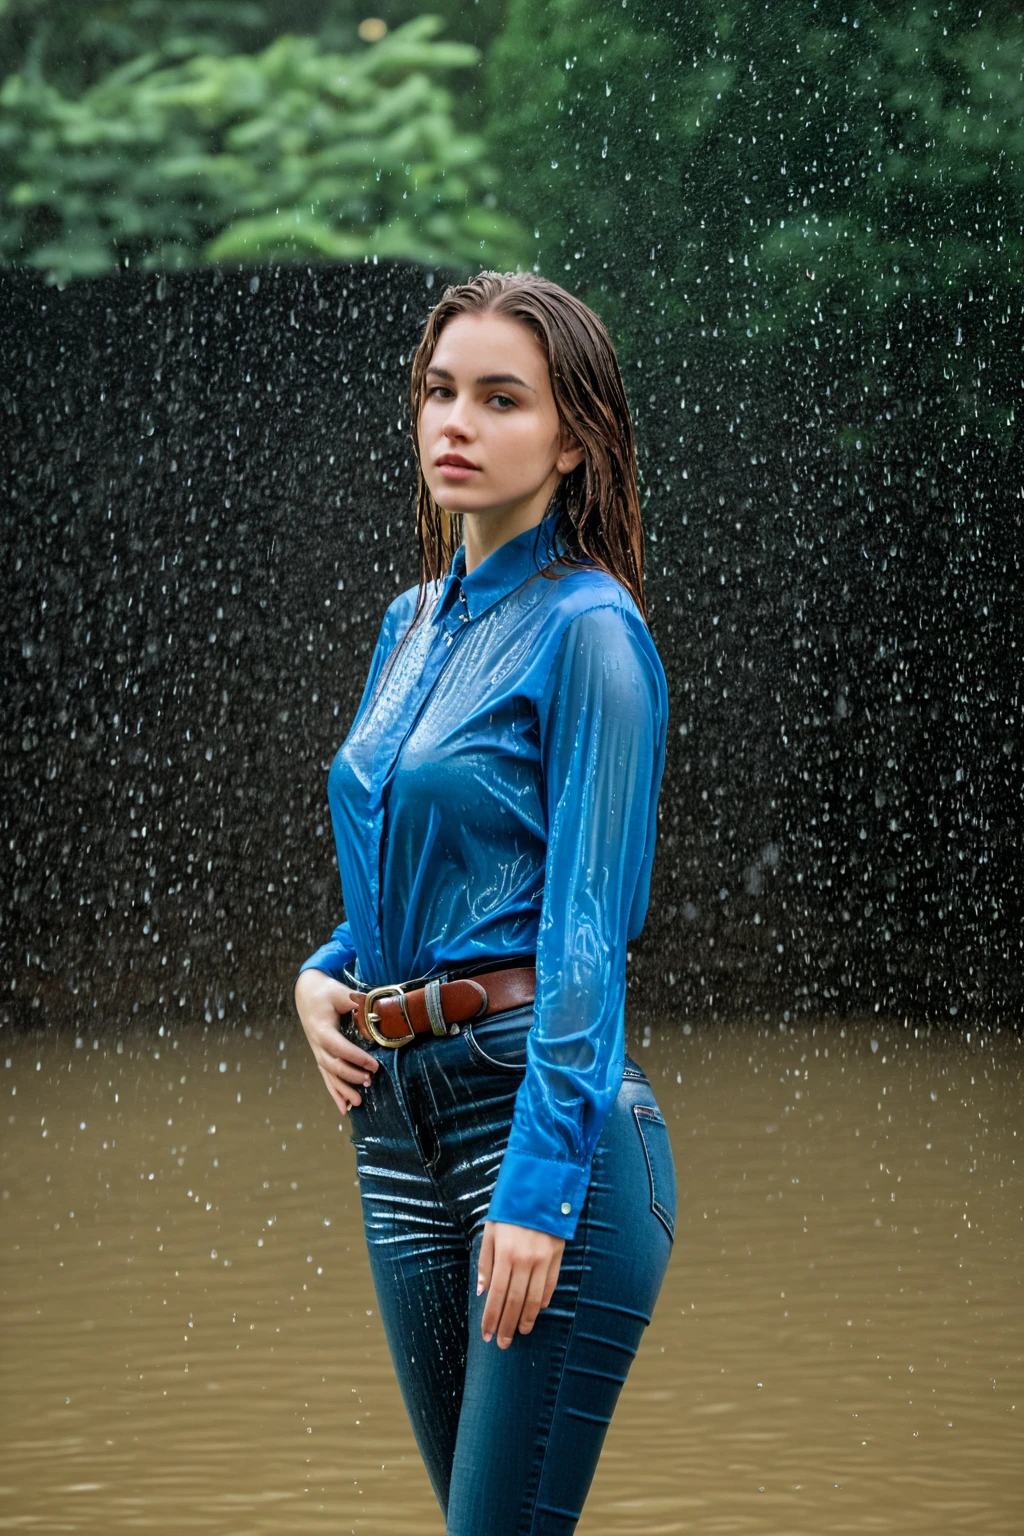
(566, 1207)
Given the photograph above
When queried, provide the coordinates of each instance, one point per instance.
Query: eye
(504, 401)
(437, 389)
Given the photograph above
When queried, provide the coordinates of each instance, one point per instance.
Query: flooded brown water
(190, 1341)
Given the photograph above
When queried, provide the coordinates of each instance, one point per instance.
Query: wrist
(306, 984)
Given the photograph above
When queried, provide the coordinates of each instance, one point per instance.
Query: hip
(444, 1107)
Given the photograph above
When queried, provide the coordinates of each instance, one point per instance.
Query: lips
(455, 460)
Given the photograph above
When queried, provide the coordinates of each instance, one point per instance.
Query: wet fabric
(510, 1438)
(496, 797)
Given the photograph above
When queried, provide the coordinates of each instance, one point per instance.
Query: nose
(457, 423)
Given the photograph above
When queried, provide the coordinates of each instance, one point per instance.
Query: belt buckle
(372, 1019)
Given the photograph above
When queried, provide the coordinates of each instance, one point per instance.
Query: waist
(454, 972)
(396, 1013)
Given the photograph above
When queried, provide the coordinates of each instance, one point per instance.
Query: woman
(494, 809)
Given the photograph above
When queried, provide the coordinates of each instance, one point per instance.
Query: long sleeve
(339, 951)
(602, 716)
(333, 957)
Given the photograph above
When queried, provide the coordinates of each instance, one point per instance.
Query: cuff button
(566, 1207)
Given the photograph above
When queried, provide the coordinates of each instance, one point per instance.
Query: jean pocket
(500, 1042)
(660, 1165)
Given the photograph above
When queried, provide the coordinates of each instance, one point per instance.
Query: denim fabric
(510, 1437)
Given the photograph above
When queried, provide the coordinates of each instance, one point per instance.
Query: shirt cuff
(332, 958)
(538, 1193)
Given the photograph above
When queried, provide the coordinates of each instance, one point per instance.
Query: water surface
(190, 1339)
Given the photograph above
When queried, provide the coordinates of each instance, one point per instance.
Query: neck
(484, 532)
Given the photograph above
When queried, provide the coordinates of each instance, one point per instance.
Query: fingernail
(488, 1337)
(479, 1285)
(366, 1082)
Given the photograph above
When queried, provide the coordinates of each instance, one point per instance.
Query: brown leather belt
(396, 1013)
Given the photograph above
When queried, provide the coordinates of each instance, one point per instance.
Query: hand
(319, 1000)
(519, 1270)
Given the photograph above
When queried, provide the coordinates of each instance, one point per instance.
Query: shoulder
(592, 604)
(403, 606)
(591, 614)
(575, 590)
(399, 614)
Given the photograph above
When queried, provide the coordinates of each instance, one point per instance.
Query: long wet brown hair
(597, 505)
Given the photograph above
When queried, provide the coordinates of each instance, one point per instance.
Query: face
(490, 438)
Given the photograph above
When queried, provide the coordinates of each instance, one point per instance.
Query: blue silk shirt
(496, 797)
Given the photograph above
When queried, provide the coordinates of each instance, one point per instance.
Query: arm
(603, 720)
(335, 956)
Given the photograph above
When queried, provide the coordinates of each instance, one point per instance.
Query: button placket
(457, 615)
(402, 724)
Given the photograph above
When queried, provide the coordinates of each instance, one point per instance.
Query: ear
(571, 455)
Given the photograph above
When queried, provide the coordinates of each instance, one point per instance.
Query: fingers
(324, 1032)
(554, 1268)
(486, 1261)
(346, 1061)
(515, 1296)
(519, 1269)
(496, 1294)
(358, 1069)
(342, 1086)
(339, 996)
(344, 1071)
(346, 1050)
(337, 1093)
(513, 1301)
(535, 1298)
(320, 1001)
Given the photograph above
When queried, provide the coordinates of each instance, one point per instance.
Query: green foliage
(291, 152)
(74, 43)
(789, 184)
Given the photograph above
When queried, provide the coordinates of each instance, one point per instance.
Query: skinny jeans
(511, 1437)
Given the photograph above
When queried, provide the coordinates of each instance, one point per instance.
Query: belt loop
(435, 1013)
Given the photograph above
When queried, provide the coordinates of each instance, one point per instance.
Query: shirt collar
(504, 569)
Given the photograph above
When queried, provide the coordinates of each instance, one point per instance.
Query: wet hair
(597, 505)
(598, 513)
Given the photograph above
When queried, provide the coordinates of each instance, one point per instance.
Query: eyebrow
(487, 378)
